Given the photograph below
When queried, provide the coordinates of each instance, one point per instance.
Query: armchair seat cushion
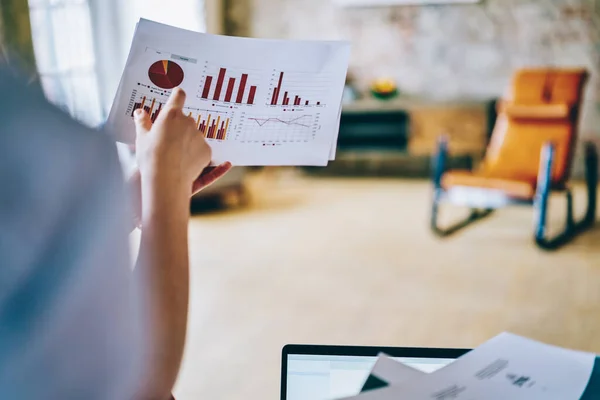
(512, 188)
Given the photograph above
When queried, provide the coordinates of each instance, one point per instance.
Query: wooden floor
(346, 261)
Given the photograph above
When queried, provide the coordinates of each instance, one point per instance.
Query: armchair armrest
(544, 183)
(439, 161)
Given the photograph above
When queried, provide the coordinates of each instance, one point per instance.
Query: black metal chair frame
(483, 202)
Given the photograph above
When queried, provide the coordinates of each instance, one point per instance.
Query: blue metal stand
(540, 202)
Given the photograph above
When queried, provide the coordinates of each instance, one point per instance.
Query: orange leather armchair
(529, 155)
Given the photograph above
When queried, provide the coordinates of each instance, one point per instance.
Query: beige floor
(348, 261)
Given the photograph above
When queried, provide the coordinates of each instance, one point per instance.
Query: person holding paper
(75, 322)
(171, 156)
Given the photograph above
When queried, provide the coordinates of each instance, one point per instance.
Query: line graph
(278, 128)
(300, 121)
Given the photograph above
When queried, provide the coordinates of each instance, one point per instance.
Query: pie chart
(166, 74)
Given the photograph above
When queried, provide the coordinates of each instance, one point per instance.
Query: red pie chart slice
(166, 74)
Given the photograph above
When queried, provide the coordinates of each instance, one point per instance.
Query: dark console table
(398, 137)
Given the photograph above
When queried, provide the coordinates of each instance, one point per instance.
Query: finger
(207, 179)
(191, 121)
(210, 175)
(143, 123)
(177, 99)
(207, 171)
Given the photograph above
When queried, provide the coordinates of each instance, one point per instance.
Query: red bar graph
(155, 115)
(220, 132)
(277, 90)
(240, 95)
(276, 99)
(206, 89)
(227, 88)
(229, 93)
(219, 87)
(213, 128)
(252, 94)
(153, 109)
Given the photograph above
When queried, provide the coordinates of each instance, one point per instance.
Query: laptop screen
(327, 377)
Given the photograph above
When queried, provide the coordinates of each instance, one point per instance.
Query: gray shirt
(69, 326)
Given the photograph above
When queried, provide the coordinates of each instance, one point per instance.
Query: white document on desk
(506, 367)
(257, 101)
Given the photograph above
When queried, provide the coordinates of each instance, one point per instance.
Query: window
(81, 46)
(64, 50)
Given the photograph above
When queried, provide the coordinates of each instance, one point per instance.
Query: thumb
(143, 124)
(209, 176)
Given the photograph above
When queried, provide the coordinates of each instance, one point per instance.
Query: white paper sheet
(394, 372)
(506, 367)
(271, 102)
(335, 140)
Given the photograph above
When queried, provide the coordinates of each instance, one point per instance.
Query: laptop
(316, 372)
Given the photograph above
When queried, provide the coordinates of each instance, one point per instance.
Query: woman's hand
(172, 158)
(171, 153)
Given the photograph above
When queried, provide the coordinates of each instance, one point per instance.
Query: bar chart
(211, 124)
(151, 105)
(228, 85)
(297, 89)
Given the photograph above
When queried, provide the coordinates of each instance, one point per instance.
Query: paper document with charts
(258, 102)
(506, 367)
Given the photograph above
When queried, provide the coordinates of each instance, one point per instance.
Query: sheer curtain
(81, 46)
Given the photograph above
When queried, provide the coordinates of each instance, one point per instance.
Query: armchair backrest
(543, 105)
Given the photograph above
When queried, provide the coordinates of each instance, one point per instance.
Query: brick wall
(448, 51)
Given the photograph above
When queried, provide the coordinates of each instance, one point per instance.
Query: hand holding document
(257, 102)
(506, 367)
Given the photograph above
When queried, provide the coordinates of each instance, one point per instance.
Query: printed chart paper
(258, 102)
(506, 367)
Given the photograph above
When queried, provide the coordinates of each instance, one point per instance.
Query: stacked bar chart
(283, 97)
(151, 106)
(213, 127)
(212, 124)
(229, 88)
